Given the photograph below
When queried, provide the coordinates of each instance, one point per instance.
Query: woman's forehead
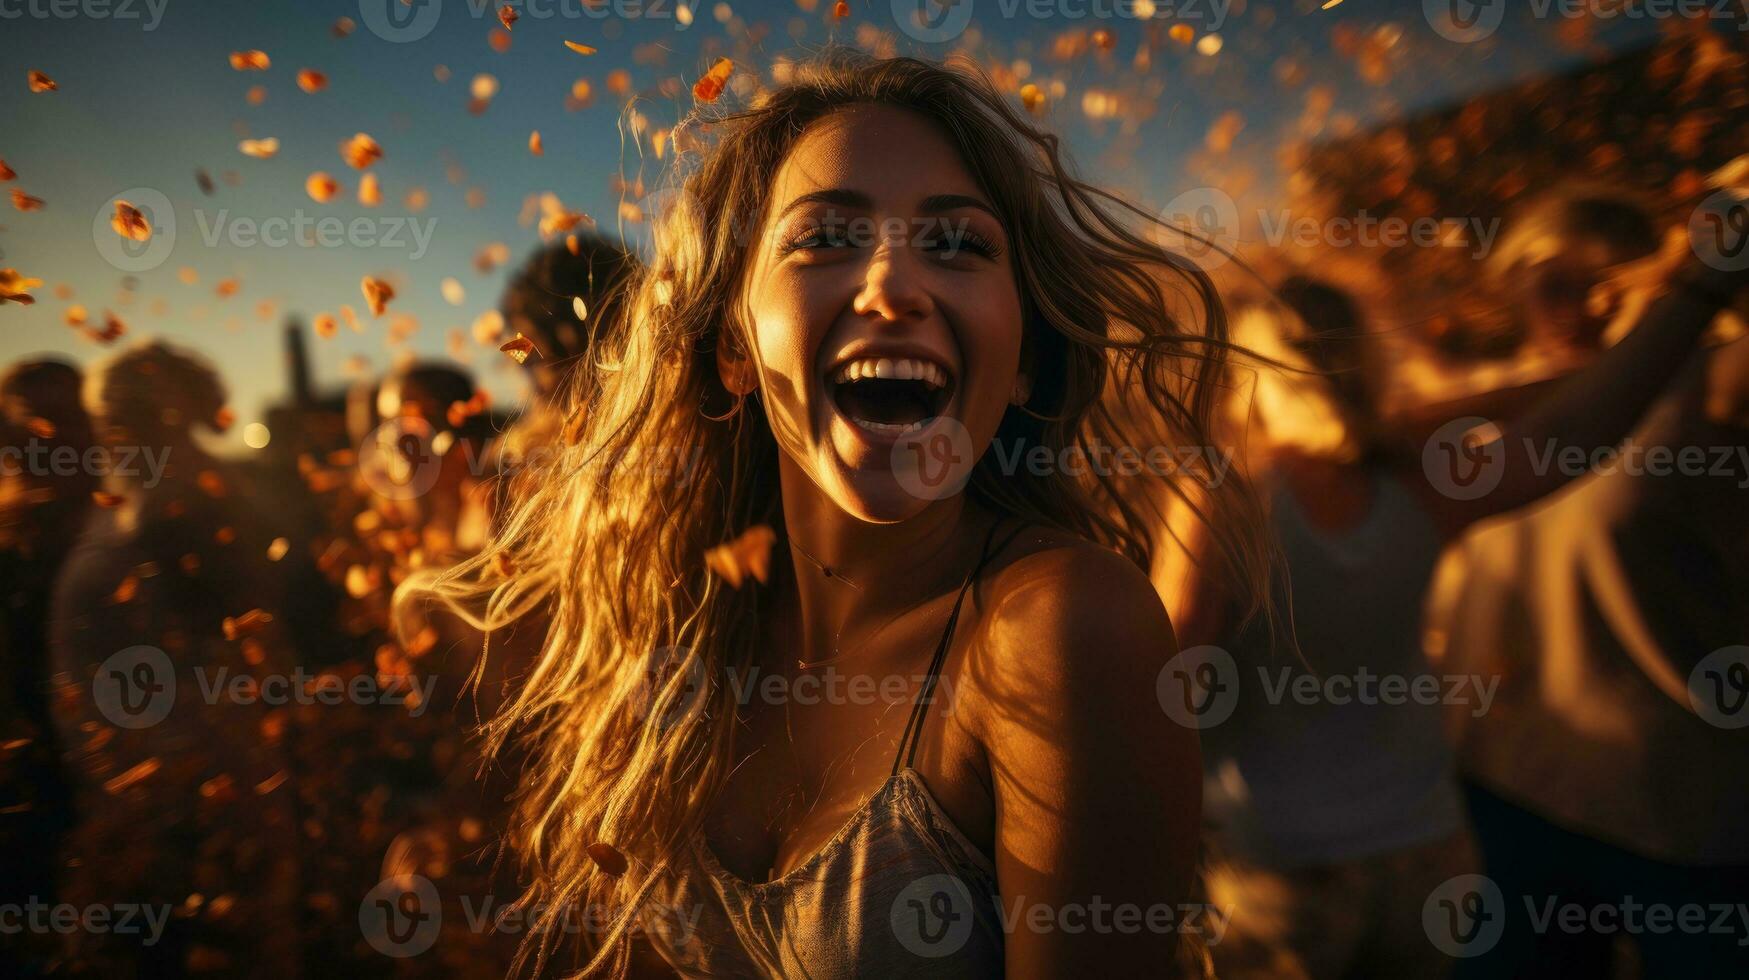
(894, 156)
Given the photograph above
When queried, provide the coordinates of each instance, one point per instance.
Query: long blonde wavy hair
(609, 551)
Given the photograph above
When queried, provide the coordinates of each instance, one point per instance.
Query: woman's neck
(852, 576)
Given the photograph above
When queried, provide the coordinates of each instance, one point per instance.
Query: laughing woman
(921, 738)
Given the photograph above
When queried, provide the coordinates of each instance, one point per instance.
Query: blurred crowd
(1582, 605)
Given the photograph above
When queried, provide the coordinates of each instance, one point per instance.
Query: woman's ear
(734, 367)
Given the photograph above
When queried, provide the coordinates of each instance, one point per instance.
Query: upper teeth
(892, 368)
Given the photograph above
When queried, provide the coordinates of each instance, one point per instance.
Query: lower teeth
(892, 428)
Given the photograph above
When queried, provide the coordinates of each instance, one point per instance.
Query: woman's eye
(954, 243)
(823, 237)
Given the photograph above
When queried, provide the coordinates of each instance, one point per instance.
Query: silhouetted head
(540, 302)
(1559, 247)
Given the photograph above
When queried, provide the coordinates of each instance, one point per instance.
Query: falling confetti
(710, 86)
(580, 48)
(250, 61)
(321, 187)
(42, 83)
(312, 81)
(369, 194)
(520, 348)
(15, 288)
(24, 202)
(507, 16)
(360, 151)
(748, 554)
(261, 149)
(580, 308)
(6, 172)
(129, 223)
(377, 294)
(534, 143)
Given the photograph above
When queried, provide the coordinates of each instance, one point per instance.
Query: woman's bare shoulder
(1056, 602)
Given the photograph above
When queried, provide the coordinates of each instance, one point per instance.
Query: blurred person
(1602, 774)
(1345, 815)
(185, 803)
(788, 834)
(46, 486)
(425, 463)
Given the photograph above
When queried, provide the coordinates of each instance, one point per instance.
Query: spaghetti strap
(913, 733)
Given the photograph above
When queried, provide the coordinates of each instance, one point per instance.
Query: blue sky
(146, 108)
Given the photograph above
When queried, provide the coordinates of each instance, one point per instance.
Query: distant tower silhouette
(297, 365)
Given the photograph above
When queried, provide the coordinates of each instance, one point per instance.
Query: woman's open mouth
(891, 396)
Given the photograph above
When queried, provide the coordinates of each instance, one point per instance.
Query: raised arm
(1592, 409)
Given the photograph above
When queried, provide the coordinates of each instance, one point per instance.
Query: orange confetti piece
(747, 554)
(126, 591)
(6, 172)
(343, 27)
(325, 325)
(137, 774)
(841, 10)
(1182, 33)
(256, 95)
(321, 187)
(507, 16)
(250, 61)
(248, 624)
(261, 149)
(520, 348)
(1032, 97)
(360, 151)
(312, 81)
(225, 288)
(582, 49)
(15, 288)
(534, 144)
(24, 202)
(223, 418)
(710, 86)
(129, 223)
(377, 294)
(40, 427)
(369, 194)
(42, 83)
(112, 331)
(210, 483)
(107, 500)
(499, 40)
(608, 858)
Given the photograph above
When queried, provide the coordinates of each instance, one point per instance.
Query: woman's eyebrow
(937, 203)
(843, 197)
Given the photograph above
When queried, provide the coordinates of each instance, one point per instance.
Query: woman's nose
(893, 285)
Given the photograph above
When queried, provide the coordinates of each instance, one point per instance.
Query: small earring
(740, 378)
(1022, 391)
